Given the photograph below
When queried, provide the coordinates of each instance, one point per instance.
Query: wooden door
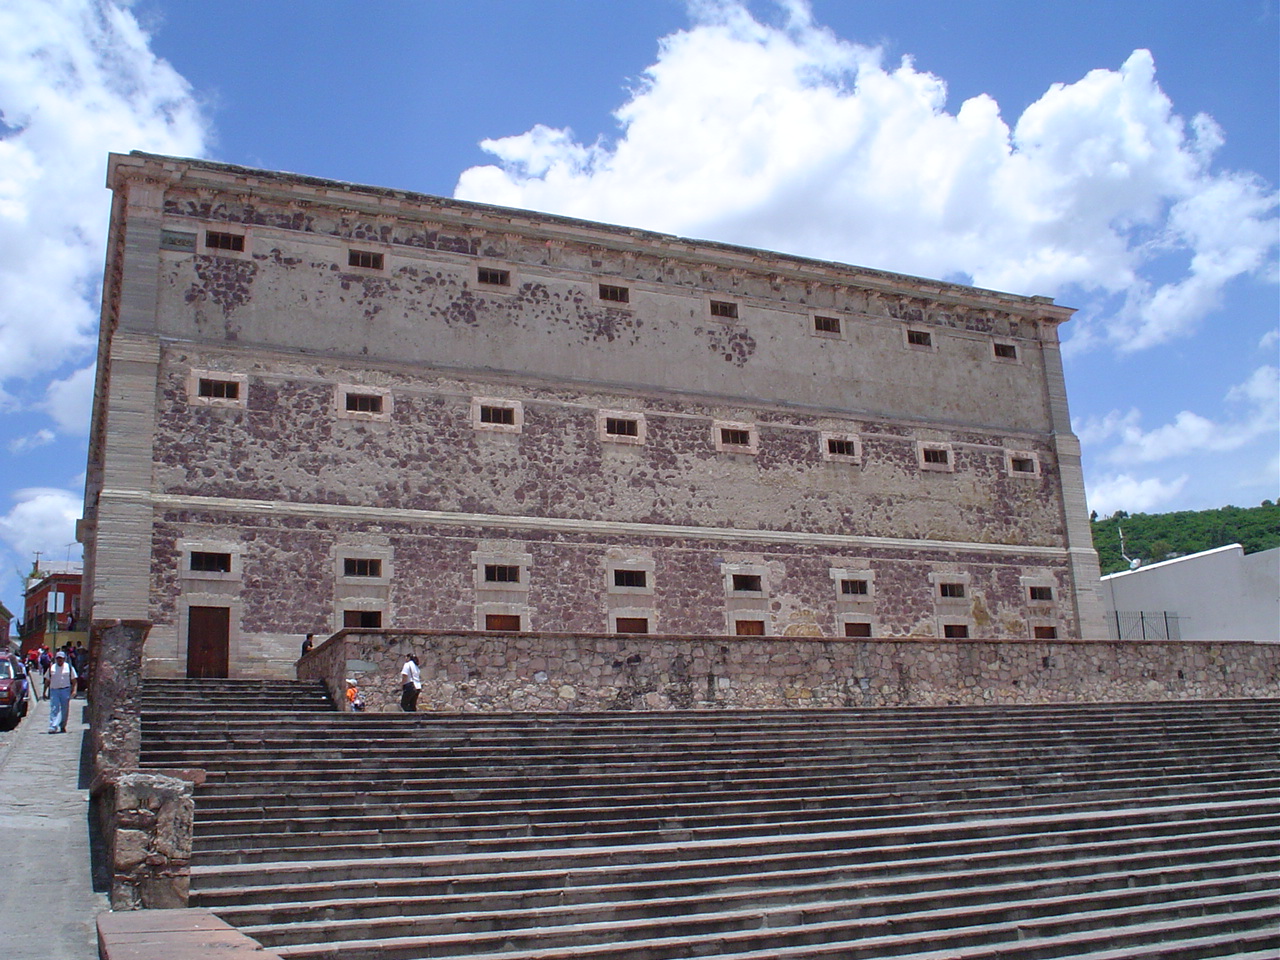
(208, 641)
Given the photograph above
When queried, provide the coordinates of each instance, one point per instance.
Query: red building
(51, 607)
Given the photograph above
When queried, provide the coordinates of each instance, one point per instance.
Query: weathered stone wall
(150, 847)
(465, 672)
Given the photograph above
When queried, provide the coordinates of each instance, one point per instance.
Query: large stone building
(322, 404)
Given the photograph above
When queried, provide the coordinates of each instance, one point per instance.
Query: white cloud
(1269, 341)
(44, 519)
(1191, 433)
(1128, 493)
(38, 439)
(790, 138)
(70, 400)
(77, 80)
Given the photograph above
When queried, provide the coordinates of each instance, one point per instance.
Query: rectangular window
(361, 567)
(1006, 351)
(724, 309)
(219, 389)
(952, 590)
(494, 277)
(1022, 465)
(630, 578)
(1041, 594)
(621, 427)
(857, 629)
(746, 583)
(853, 588)
(633, 625)
(491, 414)
(203, 562)
(364, 258)
(935, 455)
(732, 437)
(362, 619)
(919, 338)
(213, 240)
(749, 628)
(615, 294)
(826, 324)
(509, 622)
(955, 631)
(364, 402)
(501, 573)
(1046, 633)
(842, 448)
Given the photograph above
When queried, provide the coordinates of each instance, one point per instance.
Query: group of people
(62, 673)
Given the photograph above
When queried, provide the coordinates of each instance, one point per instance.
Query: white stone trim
(948, 467)
(187, 546)
(826, 435)
(341, 392)
(602, 421)
(642, 564)
(840, 574)
(1012, 455)
(752, 446)
(930, 347)
(648, 613)
(220, 376)
(478, 403)
(843, 321)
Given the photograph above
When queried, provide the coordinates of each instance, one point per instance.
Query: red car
(13, 691)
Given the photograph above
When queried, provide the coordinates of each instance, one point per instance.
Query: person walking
(410, 685)
(62, 684)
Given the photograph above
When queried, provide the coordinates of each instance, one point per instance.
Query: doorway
(208, 641)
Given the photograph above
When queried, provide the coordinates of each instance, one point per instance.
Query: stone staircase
(1090, 830)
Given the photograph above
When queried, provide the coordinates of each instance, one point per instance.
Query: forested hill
(1159, 536)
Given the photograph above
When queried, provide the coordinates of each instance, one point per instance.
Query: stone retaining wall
(484, 672)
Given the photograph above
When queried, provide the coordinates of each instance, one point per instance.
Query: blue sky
(1033, 147)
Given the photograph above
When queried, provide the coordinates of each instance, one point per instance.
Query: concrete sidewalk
(47, 902)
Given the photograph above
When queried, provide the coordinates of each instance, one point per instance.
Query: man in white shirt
(62, 684)
(410, 685)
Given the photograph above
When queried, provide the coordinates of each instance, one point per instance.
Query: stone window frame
(602, 422)
(1011, 455)
(761, 570)
(841, 323)
(510, 286)
(193, 389)
(341, 392)
(751, 448)
(605, 301)
(937, 578)
(517, 406)
(344, 552)
(648, 614)
(644, 564)
(840, 574)
(930, 347)
(751, 616)
(187, 546)
(1017, 351)
(733, 310)
(1040, 580)
(502, 557)
(952, 621)
(857, 617)
(949, 449)
(362, 604)
(235, 230)
(825, 438)
(364, 248)
(506, 609)
(1041, 623)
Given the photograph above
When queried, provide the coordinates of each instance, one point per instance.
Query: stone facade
(322, 404)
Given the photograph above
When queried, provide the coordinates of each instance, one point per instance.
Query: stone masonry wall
(471, 672)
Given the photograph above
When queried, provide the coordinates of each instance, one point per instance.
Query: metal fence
(1142, 625)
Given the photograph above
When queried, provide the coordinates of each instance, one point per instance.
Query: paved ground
(47, 902)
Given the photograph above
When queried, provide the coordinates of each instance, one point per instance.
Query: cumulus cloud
(69, 401)
(787, 137)
(77, 80)
(38, 439)
(1191, 433)
(1125, 492)
(44, 519)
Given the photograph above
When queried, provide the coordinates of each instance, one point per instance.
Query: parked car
(13, 691)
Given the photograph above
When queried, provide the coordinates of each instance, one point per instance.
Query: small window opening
(364, 402)
(501, 573)
(746, 583)
(493, 277)
(362, 619)
(841, 448)
(955, 631)
(857, 629)
(630, 578)
(732, 437)
(615, 294)
(509, 622)
(621, 427)
(219, 389)
(826, 324)
(364, 258)
(1041, 593)
(749, 628)
(202, 562)
(919, 338)
(1022, 465)
(855, 588)
(935, 455)
(954, 590)
(724, 308)
(1046, 633)
(505, 415)
(361, 567)
(214, 240)
(633, 625)
(1006, 351)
